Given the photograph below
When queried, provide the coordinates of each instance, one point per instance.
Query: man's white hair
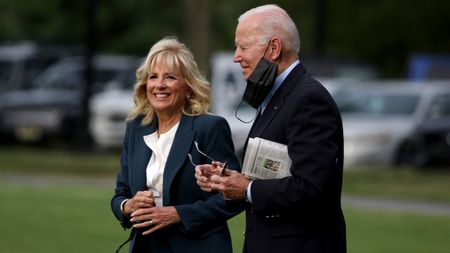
(275, 21)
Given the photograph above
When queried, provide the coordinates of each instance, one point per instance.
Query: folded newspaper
(266, 159)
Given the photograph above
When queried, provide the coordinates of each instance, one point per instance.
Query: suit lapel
(178, 154)
(277, 101)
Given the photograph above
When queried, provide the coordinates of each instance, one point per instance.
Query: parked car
(52, 108)
(22, 62)
(396, 123)
(109, 110)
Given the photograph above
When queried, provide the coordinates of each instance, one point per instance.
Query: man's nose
(237, 56)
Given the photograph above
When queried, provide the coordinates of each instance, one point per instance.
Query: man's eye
(243, 48)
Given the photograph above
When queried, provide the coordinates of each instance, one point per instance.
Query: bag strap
(128, 240)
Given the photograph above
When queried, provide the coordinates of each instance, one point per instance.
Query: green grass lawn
(57, 218)
(405, 183)
(57, 161)
(71, 217)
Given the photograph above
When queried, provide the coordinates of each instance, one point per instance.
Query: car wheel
(412, 154)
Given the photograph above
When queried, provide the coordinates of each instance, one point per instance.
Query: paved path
(348, 201)
(396, 205)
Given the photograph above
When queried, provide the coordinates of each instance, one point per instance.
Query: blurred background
(67, 70)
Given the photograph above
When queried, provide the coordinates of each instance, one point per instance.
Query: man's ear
(275, 48)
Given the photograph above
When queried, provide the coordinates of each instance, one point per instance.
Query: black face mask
(260, 82)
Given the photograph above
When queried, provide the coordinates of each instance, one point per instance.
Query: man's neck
(282, 66)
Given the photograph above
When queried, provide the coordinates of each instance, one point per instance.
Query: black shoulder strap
(129, 239)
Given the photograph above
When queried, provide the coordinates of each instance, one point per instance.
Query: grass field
(70, 218)
(74, 216)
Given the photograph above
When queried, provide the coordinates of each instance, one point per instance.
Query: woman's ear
(189, 95)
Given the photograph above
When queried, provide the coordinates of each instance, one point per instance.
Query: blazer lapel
(142, 155)
(178, 154)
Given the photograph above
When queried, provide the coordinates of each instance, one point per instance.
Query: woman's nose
(160, 82)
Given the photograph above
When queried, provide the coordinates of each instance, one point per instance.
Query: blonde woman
(156, 192)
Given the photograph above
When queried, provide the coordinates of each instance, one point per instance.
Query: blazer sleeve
(313, 132)
(122, 190)
(214, 138)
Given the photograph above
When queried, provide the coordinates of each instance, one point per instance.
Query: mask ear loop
(267, 47)
(241, 120)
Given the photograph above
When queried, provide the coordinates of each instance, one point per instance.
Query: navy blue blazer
(203, 226)
(300, 213)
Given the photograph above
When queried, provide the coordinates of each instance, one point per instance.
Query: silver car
(384, 122)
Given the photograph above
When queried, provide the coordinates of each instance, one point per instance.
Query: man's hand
(233, 185)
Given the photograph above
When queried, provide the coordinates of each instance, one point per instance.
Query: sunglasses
(221, 164)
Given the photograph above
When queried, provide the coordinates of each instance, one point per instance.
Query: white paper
(266, 159)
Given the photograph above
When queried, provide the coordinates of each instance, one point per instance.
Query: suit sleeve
(312, 130)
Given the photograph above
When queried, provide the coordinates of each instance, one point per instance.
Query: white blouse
(155, 169)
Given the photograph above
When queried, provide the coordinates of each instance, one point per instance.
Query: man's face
(248, 49)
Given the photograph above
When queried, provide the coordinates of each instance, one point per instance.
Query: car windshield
(377, 103)
(71, 78)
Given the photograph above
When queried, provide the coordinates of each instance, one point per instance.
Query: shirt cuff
(248, 194)
(122, 207)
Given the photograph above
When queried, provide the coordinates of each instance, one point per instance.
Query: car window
(72, 78)
(440, 106)
(33, 67)
(377, 103)
(5, 75)
(69, 79)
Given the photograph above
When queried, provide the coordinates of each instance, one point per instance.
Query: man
(301, 212)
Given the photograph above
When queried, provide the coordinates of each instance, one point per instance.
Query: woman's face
(166, 91)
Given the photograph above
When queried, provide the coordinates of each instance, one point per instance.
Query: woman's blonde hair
(171, 54)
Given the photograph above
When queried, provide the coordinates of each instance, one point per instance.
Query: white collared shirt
(160, 147)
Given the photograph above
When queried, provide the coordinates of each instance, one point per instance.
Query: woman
(156, 192)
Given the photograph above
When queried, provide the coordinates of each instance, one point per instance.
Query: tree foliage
(383, 32)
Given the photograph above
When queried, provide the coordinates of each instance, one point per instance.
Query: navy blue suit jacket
(203, 215)
(300, 213)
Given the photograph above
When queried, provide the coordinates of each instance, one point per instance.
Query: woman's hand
(155, 218)
(142, 200)
(204, 172)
